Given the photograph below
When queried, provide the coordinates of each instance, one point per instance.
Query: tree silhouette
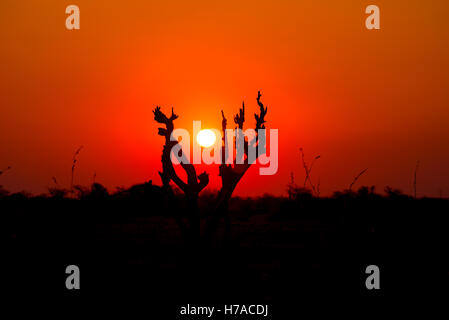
(230, 174)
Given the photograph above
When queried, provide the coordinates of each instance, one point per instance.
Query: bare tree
(230, 174)
(74, 162)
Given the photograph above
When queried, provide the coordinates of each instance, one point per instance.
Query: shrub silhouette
(58, 193)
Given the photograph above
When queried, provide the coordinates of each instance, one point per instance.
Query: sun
(206, 138)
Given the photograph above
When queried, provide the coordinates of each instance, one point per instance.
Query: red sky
(361, 99)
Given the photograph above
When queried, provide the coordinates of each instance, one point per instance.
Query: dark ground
(285, 253)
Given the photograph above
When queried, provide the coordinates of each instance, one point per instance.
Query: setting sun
(206, 138)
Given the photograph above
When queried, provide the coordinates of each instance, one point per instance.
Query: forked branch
(194, 183)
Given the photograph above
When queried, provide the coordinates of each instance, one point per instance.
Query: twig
(3, 171)
(311, 166)
(74, 161)
(414, 177)
(357, 178)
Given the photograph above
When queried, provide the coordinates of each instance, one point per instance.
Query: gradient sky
(359, 98)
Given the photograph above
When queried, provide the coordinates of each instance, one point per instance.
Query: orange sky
(361, 99)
